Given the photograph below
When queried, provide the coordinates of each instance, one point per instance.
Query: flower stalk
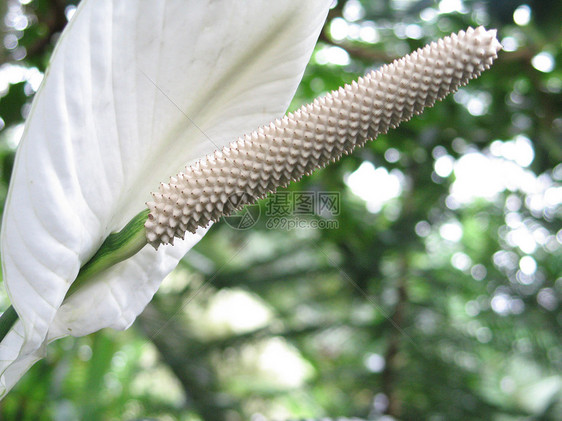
(117, 247)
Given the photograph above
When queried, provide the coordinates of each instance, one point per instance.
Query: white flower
(134, 91)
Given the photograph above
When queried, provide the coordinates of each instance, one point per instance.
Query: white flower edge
(134, 91)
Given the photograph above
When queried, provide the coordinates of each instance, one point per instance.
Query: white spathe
(134, 92)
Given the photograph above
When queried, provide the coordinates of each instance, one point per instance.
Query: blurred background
(419, 278)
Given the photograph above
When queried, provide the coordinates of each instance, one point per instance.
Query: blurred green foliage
(433, 305)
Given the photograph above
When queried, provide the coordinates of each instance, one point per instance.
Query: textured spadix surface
(134, 91)
(317, 134)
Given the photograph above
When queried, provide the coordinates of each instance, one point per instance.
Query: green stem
(117, 247)
(7, 320)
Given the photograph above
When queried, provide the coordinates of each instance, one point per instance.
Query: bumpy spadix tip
(317, 134)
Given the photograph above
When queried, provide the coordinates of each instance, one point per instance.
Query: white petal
(135, 90)
(16, 365)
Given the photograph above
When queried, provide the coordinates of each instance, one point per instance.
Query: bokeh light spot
(528, 265)
(376, 186)
(522, 15)
(543, 62)
(451, 231)
(444, 166)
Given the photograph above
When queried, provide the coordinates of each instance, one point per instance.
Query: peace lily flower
(136, 91)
